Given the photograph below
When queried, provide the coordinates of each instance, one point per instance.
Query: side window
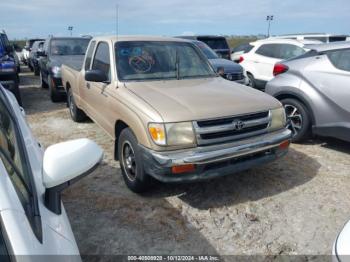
(287, 51)
(102, 59)
(340, 59)
(267, 50)
(12, 159)
(89, 55)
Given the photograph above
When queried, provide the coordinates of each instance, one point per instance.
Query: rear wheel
(131, 162)
(76, 113)
(43, 83)
(298, 119)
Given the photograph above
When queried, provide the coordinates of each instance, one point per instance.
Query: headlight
(56, 70)
(278, 119)
(172, 134)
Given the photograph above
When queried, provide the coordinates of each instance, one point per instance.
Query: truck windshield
(69, 46)
(152, 60)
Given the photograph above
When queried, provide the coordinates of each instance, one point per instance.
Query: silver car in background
(315, 91)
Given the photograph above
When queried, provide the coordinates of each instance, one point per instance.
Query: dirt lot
(294, 206)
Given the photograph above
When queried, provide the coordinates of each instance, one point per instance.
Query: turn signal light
(183, 169)
(284, 145)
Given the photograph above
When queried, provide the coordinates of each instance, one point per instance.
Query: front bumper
(57, 85)
(217, 160)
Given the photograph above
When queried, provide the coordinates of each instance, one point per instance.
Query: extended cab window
(340, 59)
(102, 59)
(89, 55)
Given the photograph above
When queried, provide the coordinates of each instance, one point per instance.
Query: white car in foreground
(33, 221)
(260, 60)
(341, 247)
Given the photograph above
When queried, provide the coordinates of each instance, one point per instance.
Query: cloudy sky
(39, 18)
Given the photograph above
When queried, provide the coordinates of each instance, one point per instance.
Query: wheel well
(291, 96)
(119, 127)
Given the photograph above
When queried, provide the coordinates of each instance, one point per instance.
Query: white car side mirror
(66, 163)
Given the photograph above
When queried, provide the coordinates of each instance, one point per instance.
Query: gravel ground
(296, 205)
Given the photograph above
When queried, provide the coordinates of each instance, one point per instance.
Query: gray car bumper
(218, 160)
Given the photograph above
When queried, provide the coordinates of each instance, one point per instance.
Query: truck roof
(120, 38)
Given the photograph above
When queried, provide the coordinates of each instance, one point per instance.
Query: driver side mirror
(66, 163)
(96, 75)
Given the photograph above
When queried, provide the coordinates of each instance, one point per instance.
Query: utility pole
(70, 29)
(269, 18)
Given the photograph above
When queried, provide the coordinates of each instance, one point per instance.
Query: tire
(43, 84)
(54, 95)
(75, 112)
(298, 118)
(133, 175)
(251, 79)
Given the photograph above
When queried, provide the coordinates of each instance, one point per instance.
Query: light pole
(70, 29)
(269, 18)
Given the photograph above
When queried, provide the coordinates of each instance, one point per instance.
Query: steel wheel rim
(294, 118)
(129, 160)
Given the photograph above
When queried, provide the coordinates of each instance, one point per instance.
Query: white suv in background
(260, 60)
(33, 222)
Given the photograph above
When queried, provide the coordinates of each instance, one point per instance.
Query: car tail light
(279, 69)
(241, 59)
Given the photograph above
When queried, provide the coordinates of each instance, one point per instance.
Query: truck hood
(229, 66)
(186, 100)
(75, 61)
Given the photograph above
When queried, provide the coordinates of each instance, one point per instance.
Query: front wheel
(76, 113)
(131, 162)
(298, 119)
(54, 95)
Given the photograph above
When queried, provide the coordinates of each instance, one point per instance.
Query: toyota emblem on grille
(238, 125)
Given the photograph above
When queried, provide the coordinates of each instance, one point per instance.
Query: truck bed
(74, 62)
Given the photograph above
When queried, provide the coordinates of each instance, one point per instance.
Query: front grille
(234, 76)
(215, 131)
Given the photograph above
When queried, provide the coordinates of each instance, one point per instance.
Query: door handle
(88, 85)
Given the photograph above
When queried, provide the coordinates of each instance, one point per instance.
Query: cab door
(98, 95)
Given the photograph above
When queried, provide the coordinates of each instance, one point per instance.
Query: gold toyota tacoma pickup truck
(171, 116)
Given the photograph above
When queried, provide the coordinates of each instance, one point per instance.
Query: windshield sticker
(141, 63)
